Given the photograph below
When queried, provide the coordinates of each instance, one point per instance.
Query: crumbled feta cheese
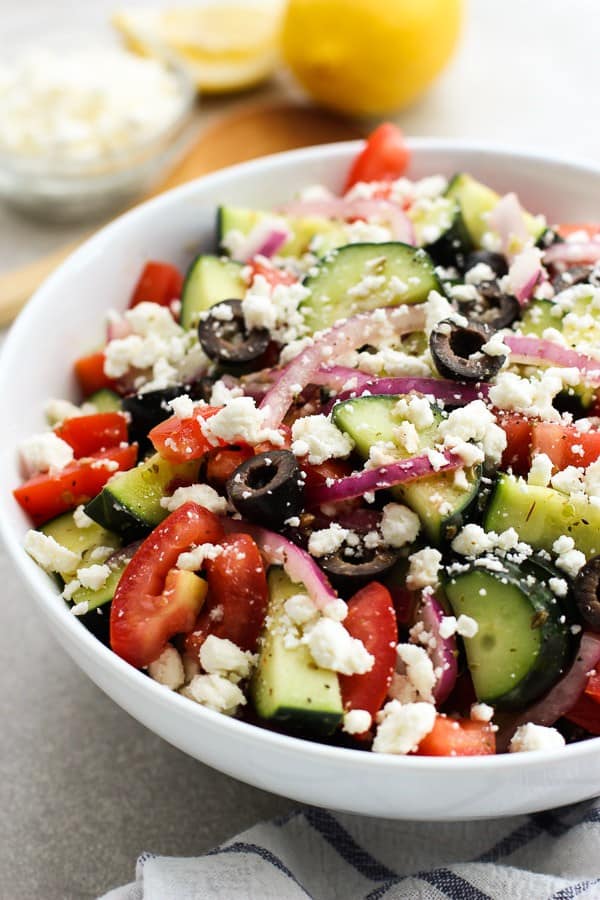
(480, 273)
(416, 410)
(239, 420)
(419, 671)
(481, 712)
(474, 422)
(202, 494)
(71, 588)
(357, 721)
(402, 727)
(93, 577)
(407, 436)
(472, 540)
(361, 232)
(327, 540)
(399, 525)
(221, 395)
(300, 609)
(540, 472)
(332, 647)
(336, 609)
(215, 692)
(193, 560)
(568, 558)
(535, 737)
(423, 568)
(45, 453)
(532, 396)
(182, 406)
(569, 480)
(168, 669)
(276, 308)
(592, 479)
(437, 308)
(49, 554)
(100, 554)
(59, 410)
(466, 626)
(447, 627)
(495, 346)
(318, 438)
(221, 656)
(222, 312)
(558, 586)
(81, 519)
(81, 609)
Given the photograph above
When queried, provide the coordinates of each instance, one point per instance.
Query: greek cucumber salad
(342, 478)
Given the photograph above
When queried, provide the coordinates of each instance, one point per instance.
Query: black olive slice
(574, 275)
(350, 571)
(457, 353)
(150, 408)
(496, 309)
(268, 488)
(496, 261)
(586, 590)
(225, 338)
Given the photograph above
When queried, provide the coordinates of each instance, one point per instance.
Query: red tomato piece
(151, 603)
(286, 433)
(518, 442)
(159, 283)
(586, 714)
(89, 372)
(221, 464)
(89, 434)
(558, 442)
(180, 440)
(568, 228)
(372, 619)
(592, 689)
(238, 596)
(458, 737)
(271, 273)
(384, 158)
(48, 495)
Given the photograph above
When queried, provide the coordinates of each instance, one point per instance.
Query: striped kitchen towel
(553, 855)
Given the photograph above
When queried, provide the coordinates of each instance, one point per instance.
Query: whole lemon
(369, 57)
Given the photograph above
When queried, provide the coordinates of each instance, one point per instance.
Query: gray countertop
(83, 787)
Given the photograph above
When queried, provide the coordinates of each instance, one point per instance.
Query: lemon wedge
(224, 47)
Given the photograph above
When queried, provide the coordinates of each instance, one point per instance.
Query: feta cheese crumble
(168, 669)
(402, 727)
(202, 494)
(45, 453)
(332, 647)
(327, 540)
(319, 439)
(215, 692)
(193, 560)
(49, 554)
(531, 737)
(424, 566)
(399, 525)
(220, 656)
(357, 721)
(93, 577)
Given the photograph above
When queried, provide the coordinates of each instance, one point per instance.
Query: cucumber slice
(440, 504)
(475, 200)
(103, 595)
(521, 647)
(287, 686)
(80, 540)
(105, 400)
(309, 233)
(339, 287)
(537, 317)
(130, 502)
(209, 280)
(439, 228)
(540, 515)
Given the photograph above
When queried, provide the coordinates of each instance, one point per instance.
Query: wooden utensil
(242, 135)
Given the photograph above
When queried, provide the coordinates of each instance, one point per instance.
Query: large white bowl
(65, 319)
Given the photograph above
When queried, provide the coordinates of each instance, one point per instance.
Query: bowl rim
(40, 587)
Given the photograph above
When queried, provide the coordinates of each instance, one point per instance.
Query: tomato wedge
(89, 434)
(89, 372)
(180, 440)
(592, 689)
(159, 282)
(384, 158)
(567, 228)
(586, 714)
(221, 464)
(458, 737)
(518, 442)
(153, 601)
(372, 619)
(565, 444)
(49, 495)
(238, 596)
(271, 273)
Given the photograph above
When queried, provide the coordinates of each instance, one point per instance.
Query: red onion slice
(524, 273)
(336, 377)
(564, 695)
(452, 392)
(364, 482)
(507, 219)
(273, 241)
(532, 351)
(264, 239)
(570, 252)
(444, 654)
(372, 208)
(298, 564)
(350, 334)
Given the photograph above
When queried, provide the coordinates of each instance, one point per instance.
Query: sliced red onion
(264, 240)
(533, 350)
(444, 654)
(564, 695)
(364, 482)
(273, 241)
(451, 392)
(298, 564)
(566, 252)
(350, 334)
(524, 273)
(507, 219)
(337, 377)
(372, 208)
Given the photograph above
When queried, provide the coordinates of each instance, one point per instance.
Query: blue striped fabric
(553, 855)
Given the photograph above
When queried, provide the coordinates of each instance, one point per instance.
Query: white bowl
(65, 319)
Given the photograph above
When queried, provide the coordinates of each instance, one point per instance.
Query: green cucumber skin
(287, 687)
(474, 199)
(105, 400)
(209, 280)
(541, 515)
(552, 636)
(345, 267)
(303, 230)
(80, 540)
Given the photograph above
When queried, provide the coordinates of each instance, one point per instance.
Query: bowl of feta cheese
(36, 362)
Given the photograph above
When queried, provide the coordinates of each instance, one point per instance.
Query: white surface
(372, 784)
